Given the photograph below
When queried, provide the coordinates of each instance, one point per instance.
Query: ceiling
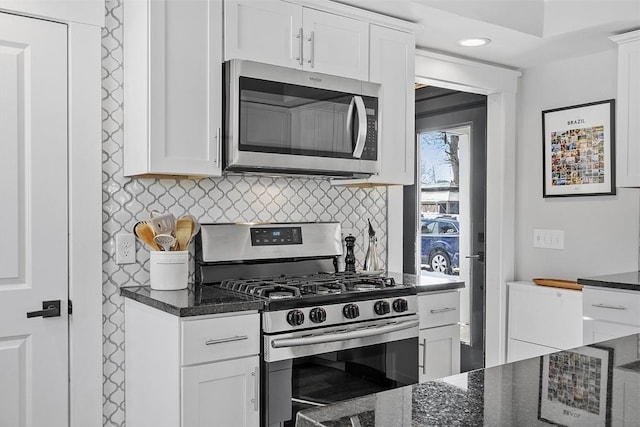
(524, 33)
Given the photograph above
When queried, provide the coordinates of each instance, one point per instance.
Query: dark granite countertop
(629, 281)
(199, 300)
(194, 301)
(431, 283)
(589, 386)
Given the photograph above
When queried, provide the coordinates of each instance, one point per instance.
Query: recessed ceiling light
(474, 42)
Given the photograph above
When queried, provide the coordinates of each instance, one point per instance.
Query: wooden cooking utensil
(144, 231)
(183, 230)
(557, 283)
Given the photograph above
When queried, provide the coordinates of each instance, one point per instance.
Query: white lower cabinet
(439, 337)
(191, 371)
(222, 393)
(626, 389)
(610, 313)
(542, 320)
(439, 352)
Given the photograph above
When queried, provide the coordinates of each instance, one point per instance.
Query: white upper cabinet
(335, 44)
(628, 110)
(172, 87)
(263, 31)
(290, 35)
(392, 65)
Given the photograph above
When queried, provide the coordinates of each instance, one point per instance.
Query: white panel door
(33, 213)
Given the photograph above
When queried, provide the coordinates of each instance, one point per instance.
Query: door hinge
(70, 308)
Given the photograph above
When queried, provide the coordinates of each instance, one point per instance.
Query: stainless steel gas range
(327, 335)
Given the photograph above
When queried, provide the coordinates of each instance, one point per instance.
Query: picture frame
(578, 157)
(575, 387)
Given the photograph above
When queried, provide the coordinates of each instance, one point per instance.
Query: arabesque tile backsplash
(227, 199)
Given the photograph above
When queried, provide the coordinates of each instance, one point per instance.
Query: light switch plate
(548, 239)
(125, 248)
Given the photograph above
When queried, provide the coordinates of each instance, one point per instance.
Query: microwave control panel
(370, 151)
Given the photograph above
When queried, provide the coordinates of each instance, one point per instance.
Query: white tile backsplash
(228, 199)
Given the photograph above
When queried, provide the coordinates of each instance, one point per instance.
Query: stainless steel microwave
(282, 120)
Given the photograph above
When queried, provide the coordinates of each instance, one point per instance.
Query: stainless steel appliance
(327, 335)
(284, 120)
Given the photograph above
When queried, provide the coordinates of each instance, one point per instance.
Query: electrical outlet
(548, 239)
(125, 248)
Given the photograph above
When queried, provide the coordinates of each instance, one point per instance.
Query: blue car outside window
(439, 243)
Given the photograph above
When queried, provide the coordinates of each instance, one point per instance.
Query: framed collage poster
(578, 150)
(575, 387)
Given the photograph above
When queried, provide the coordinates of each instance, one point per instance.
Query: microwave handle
(362, 126)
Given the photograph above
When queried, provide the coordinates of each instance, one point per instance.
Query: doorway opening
(448, 204)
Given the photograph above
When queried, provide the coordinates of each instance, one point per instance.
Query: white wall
(601, 232)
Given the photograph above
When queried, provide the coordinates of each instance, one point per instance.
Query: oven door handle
(343, 336)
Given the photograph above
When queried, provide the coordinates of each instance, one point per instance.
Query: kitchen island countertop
(506, 394)
(628, 281)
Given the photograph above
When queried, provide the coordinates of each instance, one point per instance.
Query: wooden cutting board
(557, 283)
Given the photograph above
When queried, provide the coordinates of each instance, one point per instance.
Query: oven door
(312, 368)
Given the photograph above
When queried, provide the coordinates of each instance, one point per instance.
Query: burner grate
(281, 287)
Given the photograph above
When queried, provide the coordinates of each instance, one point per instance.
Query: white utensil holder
(168, 271)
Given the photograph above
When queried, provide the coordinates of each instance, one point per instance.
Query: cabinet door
(335, 44)
(546, 316)
(173, 113)
(596, 331)
(628, 106)
(392, 65)
(210, 394)
(439, 352)
(263, 31)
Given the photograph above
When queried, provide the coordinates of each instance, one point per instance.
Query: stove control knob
(318, 315)
(350, 311)
(295, 317)
(381, 308)
(400, 305)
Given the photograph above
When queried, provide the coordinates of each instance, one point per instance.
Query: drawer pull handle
(612, 307)
(442, 310)
(229, 339)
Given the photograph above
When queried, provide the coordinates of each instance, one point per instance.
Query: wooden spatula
(144, 231)
(183, 230)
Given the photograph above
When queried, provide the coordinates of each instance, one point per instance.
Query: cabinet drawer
(439, 309)
(612, 305)
(220, 338)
